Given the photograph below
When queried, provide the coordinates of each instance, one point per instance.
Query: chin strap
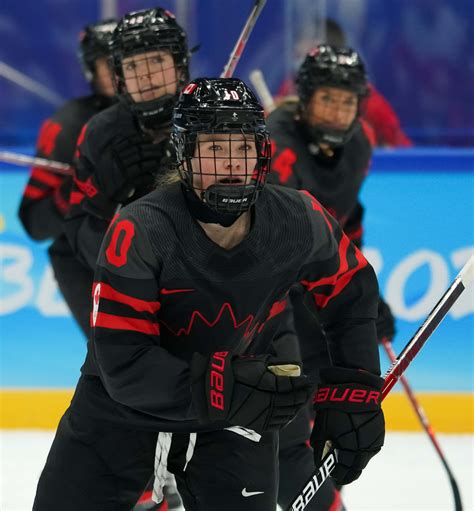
(202, 212)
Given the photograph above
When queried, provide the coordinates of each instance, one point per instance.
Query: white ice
(406, 476)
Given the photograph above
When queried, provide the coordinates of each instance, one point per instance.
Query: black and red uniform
(336, 182)
(45, 201)
(91, 208)
(164, 291)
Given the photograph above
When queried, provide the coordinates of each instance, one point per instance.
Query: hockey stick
(426, 426)
(460, 283)
(258, 81)
(24, 160)
(242, 40)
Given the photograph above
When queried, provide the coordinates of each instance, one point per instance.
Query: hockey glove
(348, 413)
(135, 164)
(243, 391)
(385, 322)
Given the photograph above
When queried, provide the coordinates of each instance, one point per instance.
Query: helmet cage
(237, 188)
(326, 66)
(147, 37)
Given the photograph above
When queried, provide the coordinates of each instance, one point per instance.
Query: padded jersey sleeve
(44, 202)
(86, 224)
(344, 289)
(135, 369)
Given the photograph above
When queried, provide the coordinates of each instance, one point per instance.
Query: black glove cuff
(346, 374)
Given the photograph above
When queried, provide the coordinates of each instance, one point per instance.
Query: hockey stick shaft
(242, 40)
(426, 425)
(260, 85)
(24, 160)
(460, 283)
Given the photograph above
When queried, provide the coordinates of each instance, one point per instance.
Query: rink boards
(419, 232)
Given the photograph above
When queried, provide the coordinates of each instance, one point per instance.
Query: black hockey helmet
(94, 43)
(147, 31)
(225, 107)
(328, 66)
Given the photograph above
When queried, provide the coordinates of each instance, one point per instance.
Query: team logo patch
(96, 299)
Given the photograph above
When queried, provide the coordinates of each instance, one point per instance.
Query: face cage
(324, 134)
(227, 184)
(152, 91)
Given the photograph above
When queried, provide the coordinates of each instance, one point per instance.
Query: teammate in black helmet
(121, 150)
(191, 283)
(331, 83)
(45, 199)
(321, 145)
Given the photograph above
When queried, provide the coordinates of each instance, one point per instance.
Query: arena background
(420, 215)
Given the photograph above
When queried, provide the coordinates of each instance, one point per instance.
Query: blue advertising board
(419, 231)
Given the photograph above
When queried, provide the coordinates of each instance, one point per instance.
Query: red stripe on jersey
(109, 293)
(323, 300)
(341, 278)
(45, 177)
(31, 192)
(144, 326)
(317, 207)
(76, 198)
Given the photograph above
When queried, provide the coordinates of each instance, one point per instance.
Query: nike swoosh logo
(246, 493)
(173, 291)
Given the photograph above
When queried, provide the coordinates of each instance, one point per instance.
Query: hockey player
(376, 109)
(45, 198)
(190, 285)
(121, 149)
(321, 145)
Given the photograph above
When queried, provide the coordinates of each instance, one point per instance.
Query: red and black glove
(385, 322)
(242, 391)
(349, 414)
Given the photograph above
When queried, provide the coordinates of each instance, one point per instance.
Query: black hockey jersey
(335, 182)
(41, 210)
(45, 201)
(163, 290)
(86, 223)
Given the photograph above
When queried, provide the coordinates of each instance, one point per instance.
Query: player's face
(228, 159)
(150, 75)
(332, 107)
(103, 78)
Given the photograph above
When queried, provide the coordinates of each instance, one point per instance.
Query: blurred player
(45, 199)
(190, 284)
(321, 145)
(376, 109)
(122, 149)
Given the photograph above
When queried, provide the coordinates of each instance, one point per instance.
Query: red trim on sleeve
(109, 293)
(341, 278)
(31, 192)
(144, 326)
(317, 207)
(46, 177)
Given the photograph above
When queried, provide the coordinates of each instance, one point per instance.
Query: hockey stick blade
(242, 40)
(24, 160)
(460, 283)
